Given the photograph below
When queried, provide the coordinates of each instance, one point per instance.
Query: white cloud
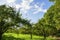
(24, 6)
(10, 1)
(17, 6)
(39, 8)
(2, 2)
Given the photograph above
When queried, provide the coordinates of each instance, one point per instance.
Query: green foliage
(50, 23)
(10, 18)
(44, 29)
(52, 16)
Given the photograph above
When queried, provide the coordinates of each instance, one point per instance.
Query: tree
(52, 16)
(50, 23)
(9, 17)
(27, 29)
(44, 29)
(41, 28)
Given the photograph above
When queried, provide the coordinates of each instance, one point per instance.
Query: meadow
(13, 36)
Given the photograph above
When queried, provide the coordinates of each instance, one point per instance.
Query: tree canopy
(9, 17)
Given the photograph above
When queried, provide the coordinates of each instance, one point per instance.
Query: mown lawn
(13, 36)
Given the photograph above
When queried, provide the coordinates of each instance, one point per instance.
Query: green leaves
(52, 16)
(9, 17)
(50, 23)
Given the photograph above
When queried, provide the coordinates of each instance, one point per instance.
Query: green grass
(13, 36)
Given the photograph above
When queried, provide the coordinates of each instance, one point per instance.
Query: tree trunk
(44, 36)
(31, 35)
(0, 36)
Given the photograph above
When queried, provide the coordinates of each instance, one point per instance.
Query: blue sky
(31, 9)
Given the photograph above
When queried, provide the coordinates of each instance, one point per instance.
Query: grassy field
(13, 36)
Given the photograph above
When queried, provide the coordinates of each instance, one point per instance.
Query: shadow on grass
(11, 38)
(42, 39)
